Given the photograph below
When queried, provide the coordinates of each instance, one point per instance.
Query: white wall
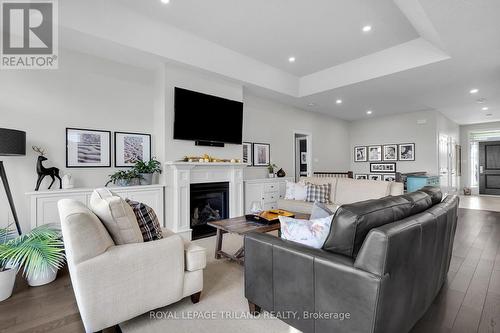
(86, 92)
(465, 130)
(421, 128)
(269, 122)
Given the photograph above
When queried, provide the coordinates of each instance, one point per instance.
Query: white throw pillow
(290, 190)
(117, 216)
(300, 191)
(312, 233)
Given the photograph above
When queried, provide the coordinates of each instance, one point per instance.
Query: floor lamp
(12, 143)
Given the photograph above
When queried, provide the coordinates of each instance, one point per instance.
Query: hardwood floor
(468, 302)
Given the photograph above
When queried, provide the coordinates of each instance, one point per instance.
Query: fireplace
(208, 202)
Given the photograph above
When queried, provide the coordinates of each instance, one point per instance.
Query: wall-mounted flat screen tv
(201, 117)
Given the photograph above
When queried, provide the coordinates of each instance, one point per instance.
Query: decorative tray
(269, 216)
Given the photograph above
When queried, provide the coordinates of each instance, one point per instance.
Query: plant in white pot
(39, 253)
(270, 168)
(147, 169)
(125, 178)
(7, 272)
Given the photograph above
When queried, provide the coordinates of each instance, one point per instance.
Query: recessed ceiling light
(481, 100)
(339, 101)
(165, 1)
(369, 112)
(474, 91)
(367, 28)
(291, 59)
(485, 108)
(311, 104)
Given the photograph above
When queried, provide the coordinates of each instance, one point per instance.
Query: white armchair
(114, 283)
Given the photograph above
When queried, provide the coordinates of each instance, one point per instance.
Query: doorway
(489, 167)
(302, 154)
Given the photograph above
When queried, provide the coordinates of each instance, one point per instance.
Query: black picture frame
(71, 164)
(146, 157)
(389, 177)
(401, 152)
(249, 161)
(374, 169)
(254, 155)
(365, 155)
(396, 153)
(361, 176)
(378, 159)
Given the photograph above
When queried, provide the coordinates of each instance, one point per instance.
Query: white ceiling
(319, 33)
(421, 54)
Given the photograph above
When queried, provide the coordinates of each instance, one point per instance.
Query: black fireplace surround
(208, 202)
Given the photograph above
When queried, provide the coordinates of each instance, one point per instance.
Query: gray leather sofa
(382, 265)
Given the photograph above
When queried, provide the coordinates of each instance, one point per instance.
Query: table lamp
(12, 143)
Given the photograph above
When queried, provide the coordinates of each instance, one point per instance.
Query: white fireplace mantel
(178, 179)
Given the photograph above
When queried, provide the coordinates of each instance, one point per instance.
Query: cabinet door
(282, 190)
(46, 208)
(152, 198)
(253, 192)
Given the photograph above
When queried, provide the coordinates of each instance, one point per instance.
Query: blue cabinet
(416, 182)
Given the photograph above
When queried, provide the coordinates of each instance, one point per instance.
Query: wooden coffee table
(240, 226)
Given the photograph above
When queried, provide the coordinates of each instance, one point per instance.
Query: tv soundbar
(209, 143)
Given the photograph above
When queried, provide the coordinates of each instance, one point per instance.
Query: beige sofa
(114, 283)
(344, 191)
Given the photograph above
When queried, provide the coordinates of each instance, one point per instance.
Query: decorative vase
(128, 182)
(7, 280)
(146, 179)
(281, 173)
(44, 278)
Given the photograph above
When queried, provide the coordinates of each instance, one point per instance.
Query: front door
(489, 167)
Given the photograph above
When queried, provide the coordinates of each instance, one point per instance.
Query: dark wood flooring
(468, 302)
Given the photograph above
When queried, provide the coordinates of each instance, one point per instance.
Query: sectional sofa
(379, 270)
(344, 191)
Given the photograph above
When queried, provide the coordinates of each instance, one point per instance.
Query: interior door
(489, 167)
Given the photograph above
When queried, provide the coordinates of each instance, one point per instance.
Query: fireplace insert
(209, 202)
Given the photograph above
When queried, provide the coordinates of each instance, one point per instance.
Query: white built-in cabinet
(43, 204)
(266, 191)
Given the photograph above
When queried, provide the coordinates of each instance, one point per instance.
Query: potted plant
(7, 272)
(271, 167)
(124, 178)
(147, 169)
(40, 253)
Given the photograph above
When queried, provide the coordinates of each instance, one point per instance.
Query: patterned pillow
(320, 193)
(312, 233)
(147, 220)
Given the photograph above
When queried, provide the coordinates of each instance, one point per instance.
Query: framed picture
(247, 153)
(360, 176)
(261, 154)
(360, 154)
(390, 152)
(374, 177)
(130, 148)
(390, 177)
(407, 152)
(383, 167)
(303, 157)
(86, 148)
(374, 153)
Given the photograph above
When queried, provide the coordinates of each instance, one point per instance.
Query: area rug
(222, 308)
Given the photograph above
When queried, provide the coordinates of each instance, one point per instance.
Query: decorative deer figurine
(42, 171)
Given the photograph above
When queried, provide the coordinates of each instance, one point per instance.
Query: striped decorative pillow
(147, 219)
(319, 193)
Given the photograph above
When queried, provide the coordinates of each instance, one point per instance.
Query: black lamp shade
(12, 142)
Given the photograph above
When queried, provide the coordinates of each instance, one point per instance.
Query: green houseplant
(147, 169)
(7, 272)
(39, 253)
(124, 178)
(270, 168)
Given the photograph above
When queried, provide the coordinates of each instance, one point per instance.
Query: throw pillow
(147, 220)
(290, 190)
(320, 193)
(312, 233)
(320, 210)
(117, 216)
(300, 191)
